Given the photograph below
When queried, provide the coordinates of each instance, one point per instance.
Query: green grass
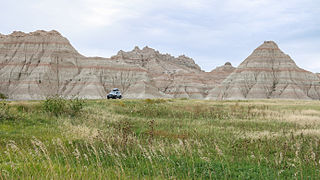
(159, 139)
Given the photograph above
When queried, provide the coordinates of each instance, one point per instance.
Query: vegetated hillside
(159, 139)
(40, 64)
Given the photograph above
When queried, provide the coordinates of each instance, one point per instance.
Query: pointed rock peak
(136, 48)
(268, 45)
(54, 32)
(226, 67)
(187, 61)
(17, 34)
(149, 50)
(121, 52)
(184, 56)
(268, 55)
(145, 51)
(269, 42)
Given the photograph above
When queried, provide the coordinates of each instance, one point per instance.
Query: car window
(115, 92)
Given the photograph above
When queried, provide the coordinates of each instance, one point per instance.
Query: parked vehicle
(114, 94)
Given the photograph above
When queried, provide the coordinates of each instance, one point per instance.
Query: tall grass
(6, 113)
(57, 105)
(160, 109)
(161, 139)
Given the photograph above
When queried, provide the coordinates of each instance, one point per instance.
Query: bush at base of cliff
(58, 106)
(2, 96)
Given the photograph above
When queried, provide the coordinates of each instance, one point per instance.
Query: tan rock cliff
(43, 63)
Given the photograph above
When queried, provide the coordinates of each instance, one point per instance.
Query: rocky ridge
(40, 64)
(43, 63)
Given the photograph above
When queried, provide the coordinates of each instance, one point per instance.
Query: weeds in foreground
(187, 142)
(5, 112)
(180, 159)
(57, 106)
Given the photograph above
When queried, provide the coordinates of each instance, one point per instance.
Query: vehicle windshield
(114, 92)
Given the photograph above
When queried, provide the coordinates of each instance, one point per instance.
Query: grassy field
(160, 139)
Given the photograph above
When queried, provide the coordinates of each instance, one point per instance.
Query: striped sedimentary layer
(174, 77)
(268, 73)
(40, 64)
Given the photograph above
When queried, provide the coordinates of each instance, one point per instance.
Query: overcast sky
(210, 31)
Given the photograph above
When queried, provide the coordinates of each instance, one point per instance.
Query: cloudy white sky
(210, 31)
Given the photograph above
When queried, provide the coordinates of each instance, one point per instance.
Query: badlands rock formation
(40, 64)
(268, 73)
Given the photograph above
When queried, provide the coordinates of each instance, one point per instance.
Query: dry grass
(164, 139)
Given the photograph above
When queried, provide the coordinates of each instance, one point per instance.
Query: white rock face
(43, 63)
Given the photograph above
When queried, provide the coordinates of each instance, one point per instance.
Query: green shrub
(184, 99)
(57, 106)
(75, 106)
(2, 96)
(5, 113)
